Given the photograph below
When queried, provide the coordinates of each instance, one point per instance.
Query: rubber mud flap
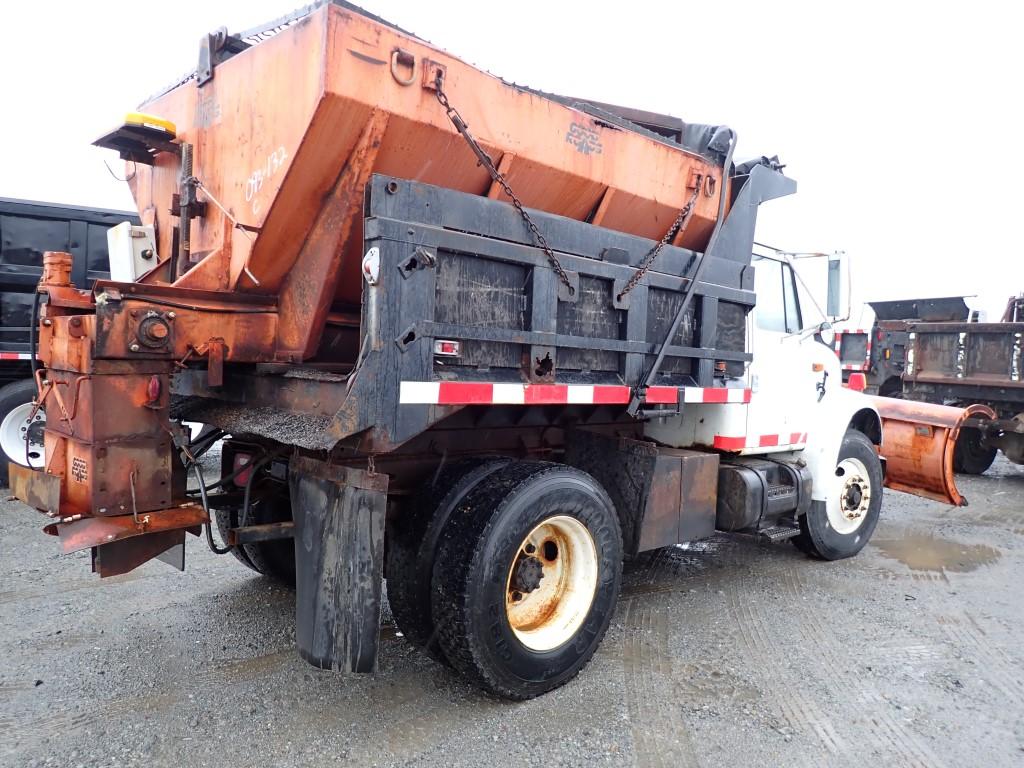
(339, 563)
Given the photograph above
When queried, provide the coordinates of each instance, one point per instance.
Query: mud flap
(917, 444)
(339, 563)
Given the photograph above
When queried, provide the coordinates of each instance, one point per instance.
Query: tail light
(241, 460)
(857, 382)
(153, 389)
(447, 348)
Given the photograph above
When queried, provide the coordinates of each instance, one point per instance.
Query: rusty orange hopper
(361, 98)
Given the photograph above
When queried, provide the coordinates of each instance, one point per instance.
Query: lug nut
(134, 347)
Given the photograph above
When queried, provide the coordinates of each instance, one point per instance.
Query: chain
(486, 162)
(679, 225)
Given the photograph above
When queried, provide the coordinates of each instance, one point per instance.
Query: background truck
(476, 339)
(27, 229)
(880, 352)
(927, 350)
(961, 362)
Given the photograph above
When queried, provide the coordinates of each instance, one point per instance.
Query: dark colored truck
(880, 352)
(931, 351)
(958, 363)
(27, 229)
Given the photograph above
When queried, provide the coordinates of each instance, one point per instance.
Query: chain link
(678, 226)
(486, 162)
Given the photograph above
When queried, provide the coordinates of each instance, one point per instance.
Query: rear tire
(842, 525)
(969, 455)
(412, 546)
(15, 407)
(516, 621)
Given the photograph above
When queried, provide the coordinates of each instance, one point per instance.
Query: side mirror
(826, 334)
(833, 302)
(837, 298)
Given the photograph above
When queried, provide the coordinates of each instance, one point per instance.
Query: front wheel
(526, 577)
(840, 526)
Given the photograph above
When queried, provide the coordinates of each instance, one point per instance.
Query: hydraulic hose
(206, 506)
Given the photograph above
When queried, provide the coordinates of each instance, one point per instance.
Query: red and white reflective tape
(867, 350)
(487, 393)
(670, 395)
(743, 442)
(15, 356)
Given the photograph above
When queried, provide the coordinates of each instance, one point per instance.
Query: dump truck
(28, 228)
(474, 339)
(934, 350)
(960, 362)
(880, 352)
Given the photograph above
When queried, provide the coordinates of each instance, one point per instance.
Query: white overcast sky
(903, 122)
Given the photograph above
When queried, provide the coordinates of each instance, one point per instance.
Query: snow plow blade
(917, 444)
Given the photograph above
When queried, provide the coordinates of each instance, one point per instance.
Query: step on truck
(478, 340)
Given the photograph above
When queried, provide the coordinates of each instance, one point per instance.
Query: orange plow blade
(917, 443)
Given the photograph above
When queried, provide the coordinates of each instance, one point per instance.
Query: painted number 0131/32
(253, 185)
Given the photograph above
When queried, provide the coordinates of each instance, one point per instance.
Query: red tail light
(858, 382)
(241, 460)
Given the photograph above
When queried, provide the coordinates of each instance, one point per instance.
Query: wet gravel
(727, 652)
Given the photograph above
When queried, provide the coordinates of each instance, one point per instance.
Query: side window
(23, 240)
(96, 253)
(777, 307)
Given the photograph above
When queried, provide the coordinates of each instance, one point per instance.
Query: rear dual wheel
(526, 578)
(525, 575)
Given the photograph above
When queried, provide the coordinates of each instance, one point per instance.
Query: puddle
(925, 552)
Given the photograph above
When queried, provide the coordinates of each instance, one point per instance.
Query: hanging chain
(486, 162)
(678, 226)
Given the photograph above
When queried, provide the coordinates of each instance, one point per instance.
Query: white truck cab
(795, 412)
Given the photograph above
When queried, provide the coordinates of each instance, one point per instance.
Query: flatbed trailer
(486, 354)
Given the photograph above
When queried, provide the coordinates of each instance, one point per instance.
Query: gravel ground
(724, 653)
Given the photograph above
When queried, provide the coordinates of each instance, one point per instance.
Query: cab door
(784, 373)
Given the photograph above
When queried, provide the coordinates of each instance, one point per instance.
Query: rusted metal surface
(37, 489)
(95, 531)
(917, 445)
(332, 70)
(680, 505)
(307, 291)
(966, 354)
(251, 534)
(120, 557)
